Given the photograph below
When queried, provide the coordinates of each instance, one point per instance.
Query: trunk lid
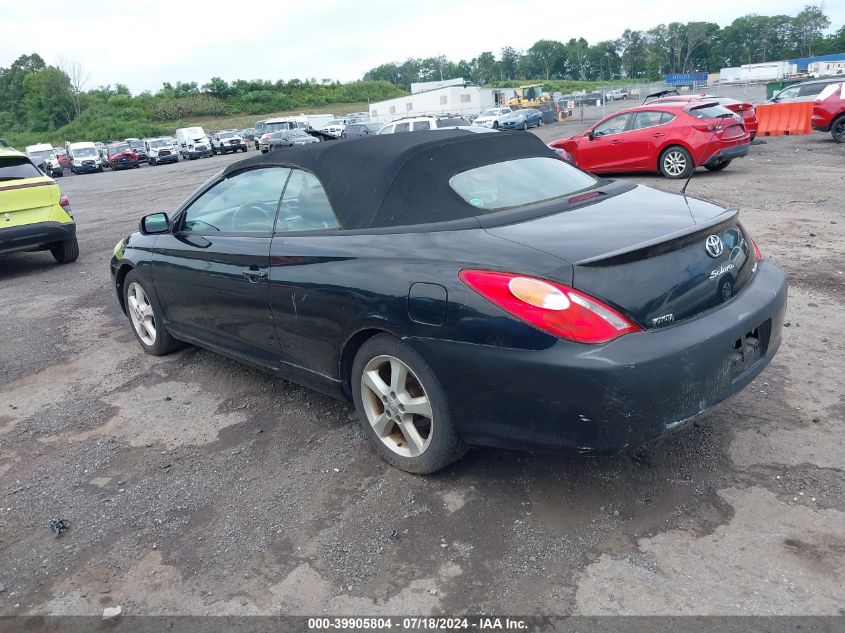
(27, 201)
(645, 252)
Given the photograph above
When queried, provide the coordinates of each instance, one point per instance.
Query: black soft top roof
(399, 179)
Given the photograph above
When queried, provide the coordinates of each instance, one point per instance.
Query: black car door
(307, 286)
(211, 274)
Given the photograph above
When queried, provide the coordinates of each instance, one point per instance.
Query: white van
(84, 157)
(160, 150)
(193, 142)
(43, 153)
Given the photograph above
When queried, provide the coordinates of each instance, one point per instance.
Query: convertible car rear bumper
(606, 398)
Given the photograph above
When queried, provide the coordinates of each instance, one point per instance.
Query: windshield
(136, 144)
(17, 168)
(84, 152)
(117, 149)
(520, 182)
(159, 143)
(44, 154)
(226, 135)
(492, 112)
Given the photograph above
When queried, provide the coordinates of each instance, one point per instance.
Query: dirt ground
(194, 485)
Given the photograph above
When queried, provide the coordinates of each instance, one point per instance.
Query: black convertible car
(461, 289)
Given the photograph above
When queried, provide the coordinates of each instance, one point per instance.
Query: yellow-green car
(34, 215)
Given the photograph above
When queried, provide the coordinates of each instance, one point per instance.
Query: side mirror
(154, 224)
(590, 135)
(42, 166)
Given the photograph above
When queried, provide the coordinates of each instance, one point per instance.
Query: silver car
(803, 91)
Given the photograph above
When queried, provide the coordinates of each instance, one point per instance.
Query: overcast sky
(143, 44)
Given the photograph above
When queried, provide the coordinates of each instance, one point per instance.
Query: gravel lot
(194, 485)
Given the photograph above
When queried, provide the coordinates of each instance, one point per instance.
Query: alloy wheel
(141, 313)
(674, 163)
(397, 406)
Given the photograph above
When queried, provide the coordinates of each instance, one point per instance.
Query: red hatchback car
(670, 138)
(746, 110)
(829, 112)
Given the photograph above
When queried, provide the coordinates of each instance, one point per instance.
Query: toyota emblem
(713, 245)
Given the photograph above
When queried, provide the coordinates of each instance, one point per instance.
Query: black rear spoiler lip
(658, 95)
(689, 234)
(708, 104)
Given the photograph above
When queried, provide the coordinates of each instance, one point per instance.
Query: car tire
(525, 125)
(142, 308)
(837, 129)
(66, 251)
(719, 166)
(675, 162)
(152, 162)
(381, 396)
(540, 122)
(495, 125)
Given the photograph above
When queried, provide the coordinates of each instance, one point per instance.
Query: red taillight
(551, 307)
(64, 203)
(757, 254)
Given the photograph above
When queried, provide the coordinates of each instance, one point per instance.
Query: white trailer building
(764, 71)
(826, 68)
(446, 100)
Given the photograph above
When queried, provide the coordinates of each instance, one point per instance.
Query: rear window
(17, 168)
(451, 122)
(118, 149)
(520, 182)
(710, 112)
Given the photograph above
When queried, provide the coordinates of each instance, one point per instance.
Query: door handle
(254, 276)
(658, 134)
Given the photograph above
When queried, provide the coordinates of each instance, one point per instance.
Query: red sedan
(670, 138)
(829, 112)
(746, 110)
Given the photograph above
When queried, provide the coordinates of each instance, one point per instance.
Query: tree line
(636, 55)
(39, 102)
